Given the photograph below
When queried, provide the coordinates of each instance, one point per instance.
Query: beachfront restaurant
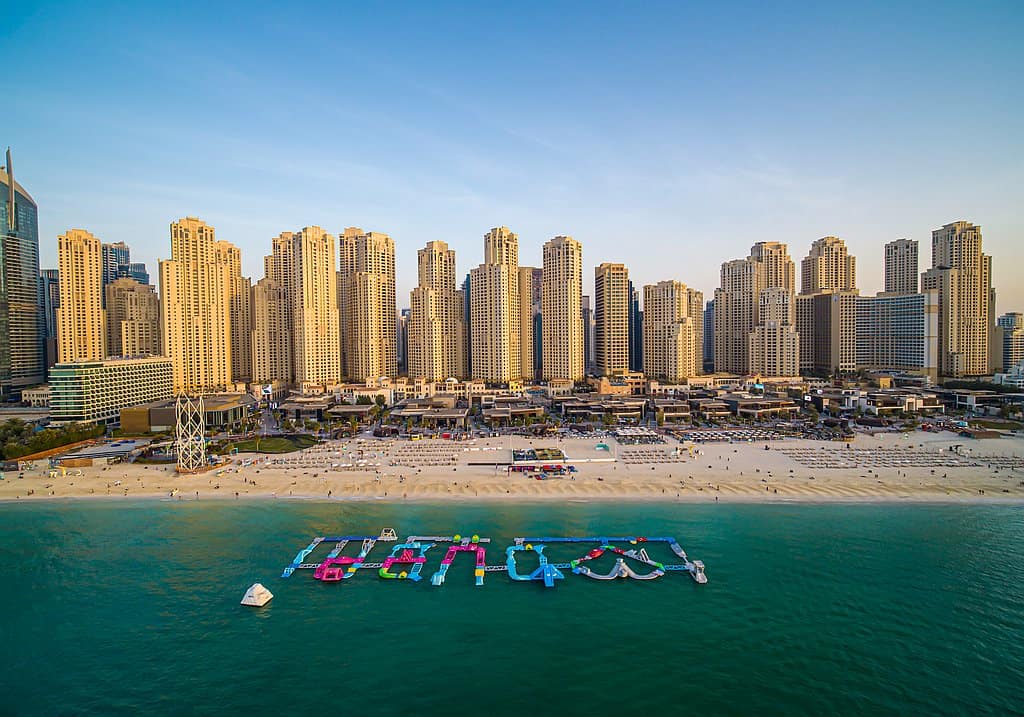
(759, 407)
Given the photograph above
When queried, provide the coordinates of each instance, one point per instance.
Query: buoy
(476, 539)
(457, 538)
(403, 575)
(529, 546)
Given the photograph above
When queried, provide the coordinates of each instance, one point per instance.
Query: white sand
(441, 470)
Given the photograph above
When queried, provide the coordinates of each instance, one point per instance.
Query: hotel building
(366, 304)
(673, 331)
(562, 341)
(133, 319)
(611, 319)
(96, 391)
(436, 326)
(495, 310)
(901, 267)
(81, 323)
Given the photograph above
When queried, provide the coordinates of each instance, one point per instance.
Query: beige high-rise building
(739, 309)
(133, 319)
(195, 309)
(531, 293)
(314, 309)
(495, 310)
(774, 342)
(279, 267)
(81, 325)
(826, 309)
(562, 349)
(366, 304)
(828, 267)
(611, 319)
(673, 331)
(962, 274)
(271, 333)
(436, 326)
(901, 267)
(240, 293)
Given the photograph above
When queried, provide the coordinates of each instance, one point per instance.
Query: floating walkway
(463, 545)
(545, 571)
(412, 552)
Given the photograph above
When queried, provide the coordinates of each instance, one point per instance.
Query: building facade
(901, 267)
(636, 331)
(740, 308)
(81, 322)
(133, 319)
(962, 275)
(96, 391)
(899, 332)
(436, 324)
(367, 305)
(22, 323)
(1012, 339)
(828, 267)
(562, 341)
(195, 309)
(495, 311)
(239, 297)
(316, 359)
(49, 287)
(530, 322)
(611, 319)
(774, 346)
(271, 342)
(673, 331)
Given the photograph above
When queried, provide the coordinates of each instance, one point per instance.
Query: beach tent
(257, 596)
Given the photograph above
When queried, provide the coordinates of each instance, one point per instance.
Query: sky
(667, 136)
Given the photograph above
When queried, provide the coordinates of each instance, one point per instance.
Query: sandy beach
(894, 467)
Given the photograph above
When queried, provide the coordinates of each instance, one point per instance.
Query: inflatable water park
(408, 558)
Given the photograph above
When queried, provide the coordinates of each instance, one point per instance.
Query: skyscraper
(901, 267)
(739, 310)
(530, 339)
(81, 325)
(195, 309)
(826, 309)
(271, 333)
(562, 311)
(774, 342)
(133, 319)
(49, 284)
(240, 295)
(402, 341)
(21, 317)
(115, 256)
(962, 274)
(709, 337)
(636, 331)
(673, 328)
(135, 271)
(435, 330)
(279, 268)
(316, 359)
(1012, 347)
(495, 317)
(828, 267)
(367, 306)
(611, 319)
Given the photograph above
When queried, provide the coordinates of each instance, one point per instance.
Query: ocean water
(132, 608)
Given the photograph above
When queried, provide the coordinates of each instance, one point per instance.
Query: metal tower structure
(190, 433)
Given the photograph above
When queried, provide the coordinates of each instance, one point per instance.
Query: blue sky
(667, 136)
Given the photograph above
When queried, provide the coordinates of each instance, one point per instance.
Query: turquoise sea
(132, 608)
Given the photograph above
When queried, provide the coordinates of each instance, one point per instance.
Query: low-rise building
(97, 391)
(221, 411)
(36, 397)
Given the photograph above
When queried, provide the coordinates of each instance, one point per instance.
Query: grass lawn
(277, 444)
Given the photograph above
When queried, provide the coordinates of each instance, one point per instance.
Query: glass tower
(21, 315)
